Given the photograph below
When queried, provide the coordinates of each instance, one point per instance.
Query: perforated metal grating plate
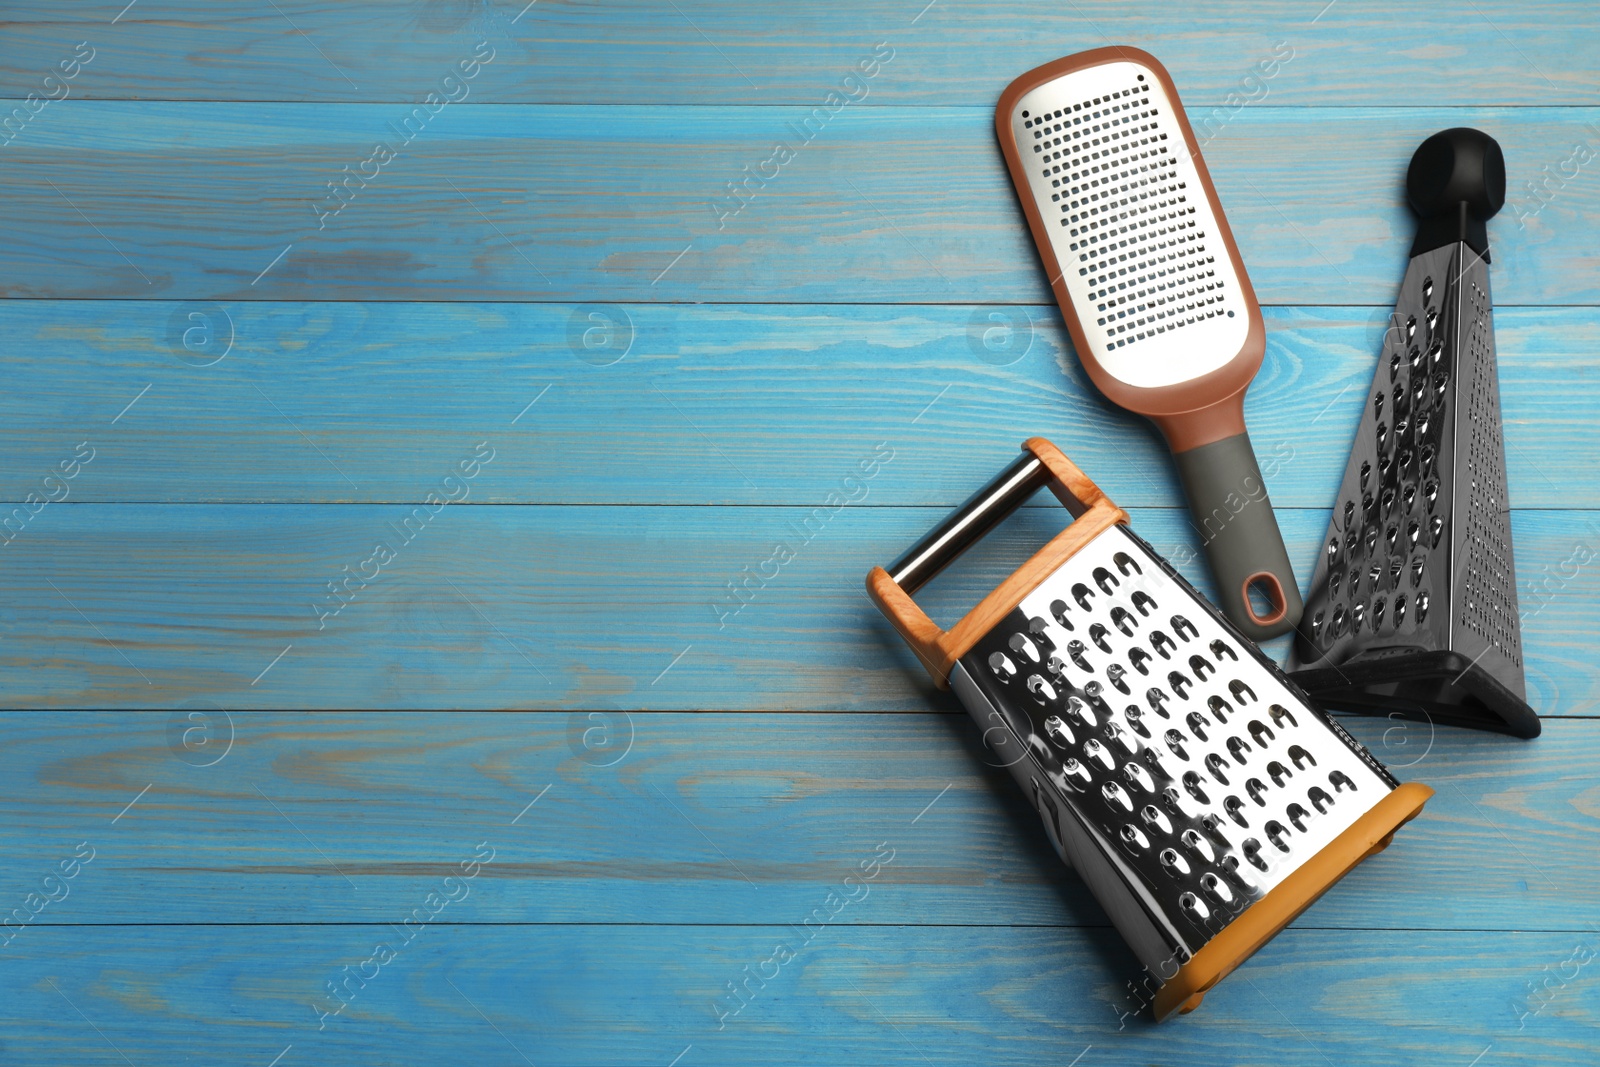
(1130, 224)
(1143, 718)
(1418, 554)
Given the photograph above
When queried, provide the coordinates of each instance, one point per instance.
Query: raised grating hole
(1198, 845)
(1024, 647)
(1235, 809)
(1057, 730)
(1216, 887)
(1098, 634)
(1105, 580)
(1135, 719)
(1001, 667)
(1115, 794)
(1218, 768)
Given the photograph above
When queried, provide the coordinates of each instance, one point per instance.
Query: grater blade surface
(1137, 240)
(1164, 753)
(1413, 606)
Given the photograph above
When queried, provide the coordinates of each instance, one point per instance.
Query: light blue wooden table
(531, 786)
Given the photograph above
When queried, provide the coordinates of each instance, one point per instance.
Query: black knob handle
(1456, 182)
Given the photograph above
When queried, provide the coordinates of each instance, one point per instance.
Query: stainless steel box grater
(1413, 608)
(1192, 786)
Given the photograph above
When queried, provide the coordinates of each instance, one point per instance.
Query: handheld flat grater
(1191, 785)
(1413, 607)
(1153, 294)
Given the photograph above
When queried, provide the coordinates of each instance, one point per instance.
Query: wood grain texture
(572, 203)
(718, 404)
(643, 995)
(691, 795)
(705, 52)
(131, 605)
(690, 818)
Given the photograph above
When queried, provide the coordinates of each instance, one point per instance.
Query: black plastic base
(1441, 687)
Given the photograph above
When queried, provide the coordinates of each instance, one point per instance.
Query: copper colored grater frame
(1142, 787)
(1413, 605)
(1190, 297)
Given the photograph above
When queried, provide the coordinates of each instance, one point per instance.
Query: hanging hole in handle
(1263, 598)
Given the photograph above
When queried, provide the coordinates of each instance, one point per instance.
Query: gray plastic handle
(1231, 512)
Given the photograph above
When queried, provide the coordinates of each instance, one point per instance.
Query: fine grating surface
(1130, 224)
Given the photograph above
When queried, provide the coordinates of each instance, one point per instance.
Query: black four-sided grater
(1413, 609)
(1203, 799)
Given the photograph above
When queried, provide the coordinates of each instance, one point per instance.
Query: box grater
(1413, 608)
(1192, 786)
(1154, 294)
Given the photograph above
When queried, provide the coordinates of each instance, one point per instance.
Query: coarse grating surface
(1168, 735)
(1418, 552)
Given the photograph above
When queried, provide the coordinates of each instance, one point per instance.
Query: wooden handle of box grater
(940, 649)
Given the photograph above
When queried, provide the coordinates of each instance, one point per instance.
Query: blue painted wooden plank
(741, 404)
(520, 202)
(133, 605)
(700, 51)
(644, 995)
(686, 818)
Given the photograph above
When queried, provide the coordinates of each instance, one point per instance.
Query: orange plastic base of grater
(1260, 922)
